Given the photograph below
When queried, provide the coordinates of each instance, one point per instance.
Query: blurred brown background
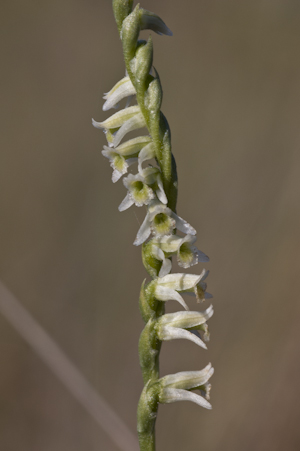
(231, 79)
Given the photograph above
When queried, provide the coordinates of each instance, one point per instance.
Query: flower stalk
(155, 188)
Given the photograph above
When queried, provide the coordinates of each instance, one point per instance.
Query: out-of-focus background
(231, 80)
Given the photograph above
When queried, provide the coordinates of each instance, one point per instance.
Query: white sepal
(144, 231)
(146, 153)
(183, 226)
(131, 124)
(124, 88)
(186, 320)
(160, 192)
(118, 119)
(166, 262)
(170, 395)
(166, 333)
(181, 281)
(133, 146)
(126, 203)
(188, 380)
(163, 293)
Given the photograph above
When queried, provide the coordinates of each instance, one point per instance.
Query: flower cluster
(163, 234)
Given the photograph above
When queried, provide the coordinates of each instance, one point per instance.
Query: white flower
(169, 286)
(152, 177)
(120, 156)
(149, 20)
(173, 326)
(120, 123)
(141, 188)
(117, 162)
(124, 88)
(187, 254)
(175, 387)
(200, 289)
(161, 220)
(139, 193)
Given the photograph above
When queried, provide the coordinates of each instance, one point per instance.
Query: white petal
(183, 226)
(166, 294)
(146, 153)
(131, 124)
(118, 93)
(116, 175)
(166, 268)
(126, 203)
(186, 320)
(118, 119)
(170, 243)
(188, 379)
(96, 124)
(133, 146)
(144, 232)
(202, 257)
(167, 264)
(160, 192)
(172, 333)
(175, 394)
(181, 281)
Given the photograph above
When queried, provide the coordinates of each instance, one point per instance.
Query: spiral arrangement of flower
(156, 188)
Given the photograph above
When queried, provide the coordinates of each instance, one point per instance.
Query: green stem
(138, 56)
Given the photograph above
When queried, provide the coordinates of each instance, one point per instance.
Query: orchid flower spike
(154, 187)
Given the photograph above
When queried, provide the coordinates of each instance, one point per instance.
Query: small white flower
(150, 21)
(152, 177)
(124, 155)
(161, 220)
(175, 387)
(120, 123)
(169, 286)
(139, 193)
(187, 254)
(173, 326)
(200, 289)
(124, 88)
(117, 162)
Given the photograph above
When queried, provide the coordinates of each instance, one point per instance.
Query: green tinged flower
(176, 387)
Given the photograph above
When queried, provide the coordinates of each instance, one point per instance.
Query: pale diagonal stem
(50, 353)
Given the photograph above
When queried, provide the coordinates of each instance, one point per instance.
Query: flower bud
(121, 8)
